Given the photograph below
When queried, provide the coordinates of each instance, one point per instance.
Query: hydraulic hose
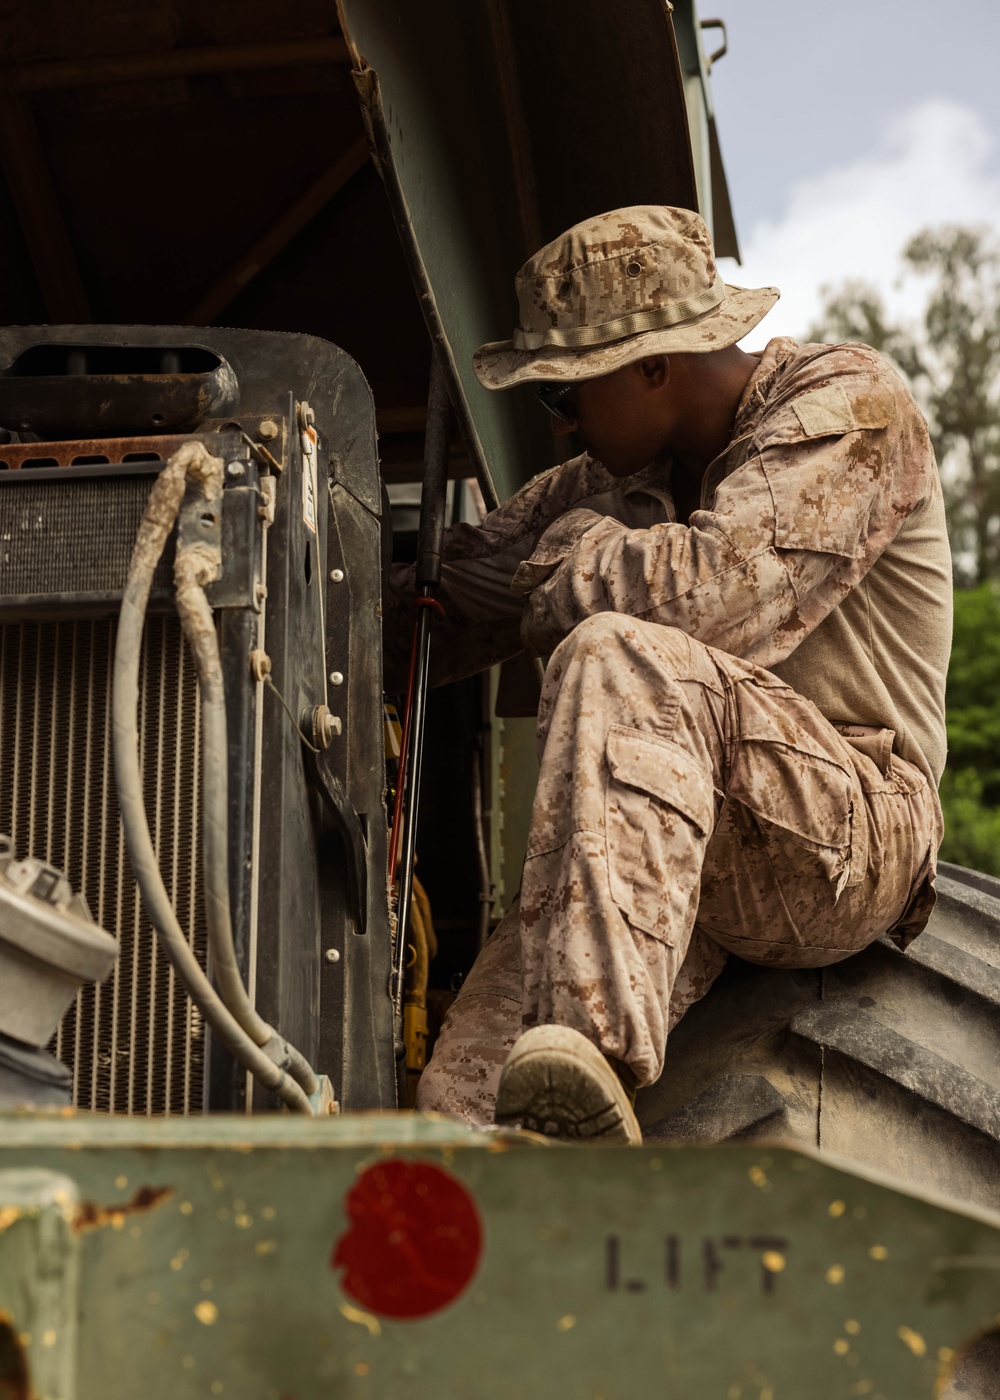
(191, 460)
(199, 628)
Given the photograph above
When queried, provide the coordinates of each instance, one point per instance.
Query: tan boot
(557, 1083)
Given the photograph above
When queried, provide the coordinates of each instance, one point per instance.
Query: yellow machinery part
(422, 946)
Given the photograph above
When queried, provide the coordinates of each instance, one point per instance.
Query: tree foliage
(970, 789)
(971, 825)
(952, 360)
(974, 686)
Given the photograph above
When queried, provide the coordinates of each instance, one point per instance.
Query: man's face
(623, 418)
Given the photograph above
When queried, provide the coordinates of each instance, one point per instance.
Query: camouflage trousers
(689, 805)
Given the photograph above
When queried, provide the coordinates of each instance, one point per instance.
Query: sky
(845, 128)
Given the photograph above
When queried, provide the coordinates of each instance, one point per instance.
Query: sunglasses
(554, 396)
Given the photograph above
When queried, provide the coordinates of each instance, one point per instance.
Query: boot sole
(555, 1082)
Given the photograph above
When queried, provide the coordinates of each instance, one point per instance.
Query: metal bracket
(348, 825)
(720, 52)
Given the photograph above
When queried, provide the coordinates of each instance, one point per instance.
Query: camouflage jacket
(819, 551)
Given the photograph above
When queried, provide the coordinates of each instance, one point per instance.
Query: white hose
(191, 459)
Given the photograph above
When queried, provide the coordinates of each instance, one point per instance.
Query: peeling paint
(91, 1216)
(913, 1340)
(364, 1318)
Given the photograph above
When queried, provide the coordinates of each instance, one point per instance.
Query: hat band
(653, 319)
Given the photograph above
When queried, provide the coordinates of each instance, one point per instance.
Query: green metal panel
(496, 126)
(722, 1273)
(39, 1262)
(513, 776)
(517, 766)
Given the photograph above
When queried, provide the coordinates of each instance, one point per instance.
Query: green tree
(974, 686)
(970, 789)
(952, 360)
(856, 310)
(971, 825)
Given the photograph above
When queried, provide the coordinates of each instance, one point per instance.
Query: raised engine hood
(496, 125)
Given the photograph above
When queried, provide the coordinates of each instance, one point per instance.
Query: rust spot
(91, 1216)
(64, 454)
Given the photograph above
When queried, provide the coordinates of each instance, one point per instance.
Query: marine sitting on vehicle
(742, 590)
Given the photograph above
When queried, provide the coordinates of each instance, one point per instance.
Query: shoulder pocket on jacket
(824, 412)
(830, 411)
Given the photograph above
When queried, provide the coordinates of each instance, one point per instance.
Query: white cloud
(929, 168)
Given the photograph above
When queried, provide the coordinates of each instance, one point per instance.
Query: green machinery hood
(497, 125)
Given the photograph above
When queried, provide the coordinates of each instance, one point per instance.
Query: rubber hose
(198, 624)
(157, 522)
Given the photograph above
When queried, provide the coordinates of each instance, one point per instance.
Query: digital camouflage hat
(638, 281)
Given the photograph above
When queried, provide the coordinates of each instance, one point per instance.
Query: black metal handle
(433, 494)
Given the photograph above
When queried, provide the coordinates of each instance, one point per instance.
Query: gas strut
(402, 846)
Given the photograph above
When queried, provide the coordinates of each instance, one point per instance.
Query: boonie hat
(638, 281)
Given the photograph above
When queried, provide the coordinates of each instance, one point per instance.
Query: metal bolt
(336, 576)
(267, 429)
(260, 593)
(336, 678)
(325, 726)
(236, 469)
(332, 955)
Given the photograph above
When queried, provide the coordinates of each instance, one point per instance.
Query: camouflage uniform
(690, 801)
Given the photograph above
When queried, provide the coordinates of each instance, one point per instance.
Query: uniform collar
(772, 362)
(655, 479)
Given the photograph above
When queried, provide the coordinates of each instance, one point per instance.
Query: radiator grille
(76, 537)
(136, 1044)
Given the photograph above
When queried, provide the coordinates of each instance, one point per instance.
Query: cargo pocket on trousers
(659, 805)
(804, 807)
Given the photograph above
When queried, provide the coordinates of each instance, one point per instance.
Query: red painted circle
(414, 1239)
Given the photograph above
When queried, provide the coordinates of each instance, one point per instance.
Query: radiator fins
(135, 1045)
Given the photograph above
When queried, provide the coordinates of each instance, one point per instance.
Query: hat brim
(500, 366)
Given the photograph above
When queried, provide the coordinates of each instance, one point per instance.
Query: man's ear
(655, 370)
